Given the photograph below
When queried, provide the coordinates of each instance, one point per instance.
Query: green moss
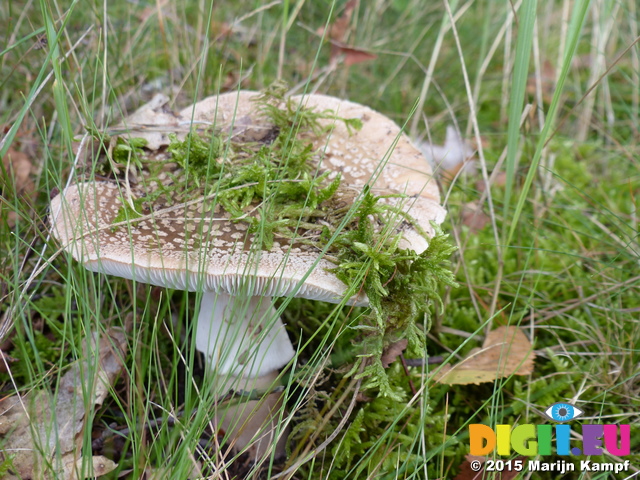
(6, 465)
(197, 156)
(279, 171)
(129, 211)
(127, 149)
(291, 119)
(401, 285)
(42, 338)
(382, 435)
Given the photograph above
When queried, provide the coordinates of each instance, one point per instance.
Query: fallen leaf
(101, 466)
(351, 55)
(466, 472)
(17, 168)
(506, 351)
(337, 36)
(338, 29)
(393, 351)
(473, 217)
(341, 25)
(42, 433)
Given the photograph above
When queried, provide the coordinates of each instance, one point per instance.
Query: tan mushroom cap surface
(194, 246)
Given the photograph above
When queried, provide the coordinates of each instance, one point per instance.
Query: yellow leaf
(506, 351)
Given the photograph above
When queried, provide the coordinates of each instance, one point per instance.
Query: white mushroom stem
(245, 343)
(241, 337)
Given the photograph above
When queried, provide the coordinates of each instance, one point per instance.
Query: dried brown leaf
(18, 166)
(352, 55)
(466, 472)
(473, 217)
(393, 351)
(72, 466)
(339, 28)
(338, 34)
(37, 427)
(506, 351)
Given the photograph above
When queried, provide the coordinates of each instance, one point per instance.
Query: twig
(406, 372)
(420, 362)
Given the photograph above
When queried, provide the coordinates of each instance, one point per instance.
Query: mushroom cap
(193, 245)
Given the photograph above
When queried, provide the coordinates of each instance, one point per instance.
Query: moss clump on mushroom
(280, 170)
(401, 285)
(197, 156)
(291, 120)
(129, 211)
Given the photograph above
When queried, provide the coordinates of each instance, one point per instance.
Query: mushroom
(193, 244)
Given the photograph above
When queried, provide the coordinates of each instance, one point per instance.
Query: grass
(557, 254)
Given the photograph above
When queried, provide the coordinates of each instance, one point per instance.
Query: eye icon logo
(563, 412)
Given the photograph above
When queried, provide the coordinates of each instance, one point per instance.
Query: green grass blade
(575, 27)
(519, 84)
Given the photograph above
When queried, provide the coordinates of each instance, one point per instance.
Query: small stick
(406, 372)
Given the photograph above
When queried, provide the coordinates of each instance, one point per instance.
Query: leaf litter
(41, 432)
(506, 351)
(337, 36)
(16, 179)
